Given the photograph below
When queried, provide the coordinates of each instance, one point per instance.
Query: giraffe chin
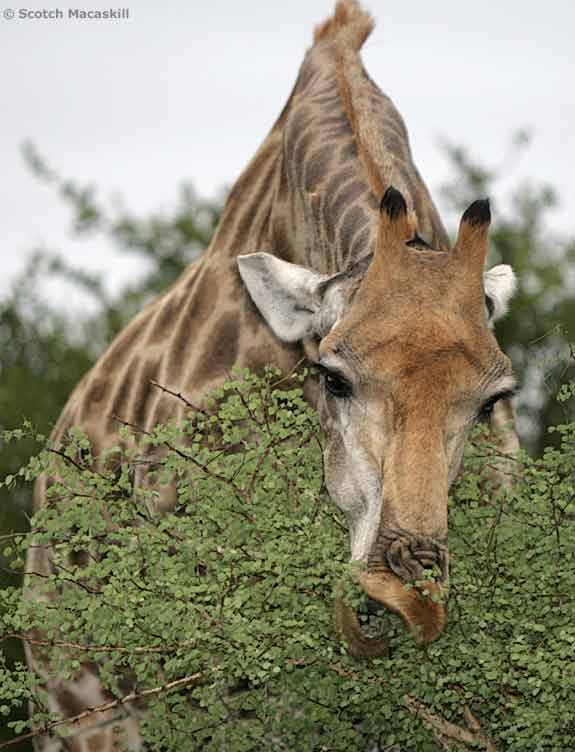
(420, 608)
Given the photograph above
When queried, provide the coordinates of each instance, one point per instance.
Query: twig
(184, 455)
(180, 396)
(132, 426)
(105, 706)
(95, 648)
(291, 374)
(87, 588)
(446, 732)
(81, 468)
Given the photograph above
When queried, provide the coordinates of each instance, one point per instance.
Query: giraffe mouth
(420, 606)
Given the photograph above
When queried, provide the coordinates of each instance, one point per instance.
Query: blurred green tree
(46, 349)
(541, 323)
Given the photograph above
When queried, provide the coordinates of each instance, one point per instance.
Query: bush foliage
(221, 612)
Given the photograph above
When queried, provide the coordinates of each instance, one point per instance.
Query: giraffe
(329, 246)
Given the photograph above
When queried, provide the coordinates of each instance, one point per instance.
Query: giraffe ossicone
(329, 245)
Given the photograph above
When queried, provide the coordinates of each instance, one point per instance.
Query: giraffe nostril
(410, 557)
(427, 562)
(427, 557)
(374, 607)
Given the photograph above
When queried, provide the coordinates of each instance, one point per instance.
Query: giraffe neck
(309, 196)
(259, 214)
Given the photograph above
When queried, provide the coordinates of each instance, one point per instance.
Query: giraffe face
(408, 364)
(398, 398)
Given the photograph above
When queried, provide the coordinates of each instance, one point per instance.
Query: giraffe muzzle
(405, 574)
(408, 574)
(412, 558)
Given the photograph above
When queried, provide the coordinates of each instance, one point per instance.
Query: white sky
(188, 91)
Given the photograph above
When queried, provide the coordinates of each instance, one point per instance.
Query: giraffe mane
(347, 31)
(349, 21)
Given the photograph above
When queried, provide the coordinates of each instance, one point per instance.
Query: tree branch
(446, 733)
(185, 681)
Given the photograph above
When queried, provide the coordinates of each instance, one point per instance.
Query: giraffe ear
(499, 283)
(287, 295)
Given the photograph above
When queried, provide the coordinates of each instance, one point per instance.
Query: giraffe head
(408, 365)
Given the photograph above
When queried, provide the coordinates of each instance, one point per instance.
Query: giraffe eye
(487, 409)
(336, 385)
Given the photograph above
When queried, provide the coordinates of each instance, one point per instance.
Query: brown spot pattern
(348, 151)
(306, 75)
(360, 244)
(317, 167)
(69, 702)
(297, 124)
(98, 743)
(139, 405)
(120, 399)
(115, 357)
(191, 320)
(247, 219)
(280, 242)
(301, 149)
(353, 220)
(164, 319)
(345, 197)
(223, 351)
